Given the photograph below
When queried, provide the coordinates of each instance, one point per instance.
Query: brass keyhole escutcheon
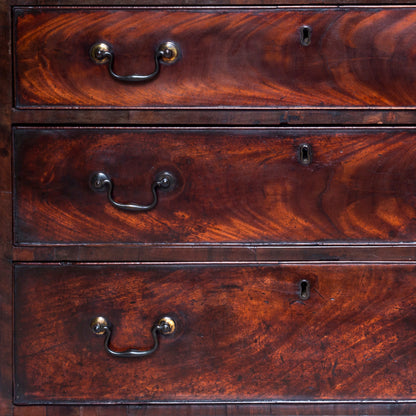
(305, 154)
(305, 35)
(304, 289)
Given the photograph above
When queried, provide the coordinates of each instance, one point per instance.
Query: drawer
(304, 57)
(247, 333)
(225, 185)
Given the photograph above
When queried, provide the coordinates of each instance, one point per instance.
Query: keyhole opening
(304, 289)
(305, 35)
(305, 154)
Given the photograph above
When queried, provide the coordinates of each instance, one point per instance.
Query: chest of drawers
(208, 209)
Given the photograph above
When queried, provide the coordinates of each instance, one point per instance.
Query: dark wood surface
(186, 3)
(232, 185)
(170, 117)
(216, 252)
(252, 58)
(381, 409)
(6, 316)
(216, 117)
(244, 333)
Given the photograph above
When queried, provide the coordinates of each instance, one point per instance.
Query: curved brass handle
(100, 326)
(100, 181)
(167, 52)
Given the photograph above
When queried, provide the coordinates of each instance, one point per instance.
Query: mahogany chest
(208, 208)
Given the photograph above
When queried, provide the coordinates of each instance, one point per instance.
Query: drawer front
(229, 185)
(242, 333)
(252, 57)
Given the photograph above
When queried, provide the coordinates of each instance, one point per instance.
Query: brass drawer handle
(102, 53)
(100, 181)
(100, 326)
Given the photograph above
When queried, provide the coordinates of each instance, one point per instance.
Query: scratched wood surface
(358, 57)
(243, 333)
(232, 185)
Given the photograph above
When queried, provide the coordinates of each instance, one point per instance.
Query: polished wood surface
(251, 58)
(216, 252)
(197, 3)
(262, 116)
(6, 282)
(244, 333)
(217, 117)
(340, 409)
(232, 185)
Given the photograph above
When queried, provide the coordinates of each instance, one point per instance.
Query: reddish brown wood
(38, 411)
(187, 3)
(250, 58)
(168, 117)
(5, 215)
(243, 333)
(233, 185)
(381, 409)
(217, 117)
(216, 252)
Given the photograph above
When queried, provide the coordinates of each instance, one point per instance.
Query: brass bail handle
(164, 326)
(102, 53)
(100, 181)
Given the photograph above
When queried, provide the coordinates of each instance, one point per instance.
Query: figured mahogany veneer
(243, 332)
(247, 342)
(232, 185)
(251, 57)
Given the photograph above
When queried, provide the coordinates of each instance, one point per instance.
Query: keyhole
(304, 289)
(305, 35)
(305, 154)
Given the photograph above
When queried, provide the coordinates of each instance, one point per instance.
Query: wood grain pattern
(397, 33)
(233, 185)
(215, 252)
(243, 333)
(331, 409)
(216, 117)
(197, 3)
(249, 58)
(6, 292)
